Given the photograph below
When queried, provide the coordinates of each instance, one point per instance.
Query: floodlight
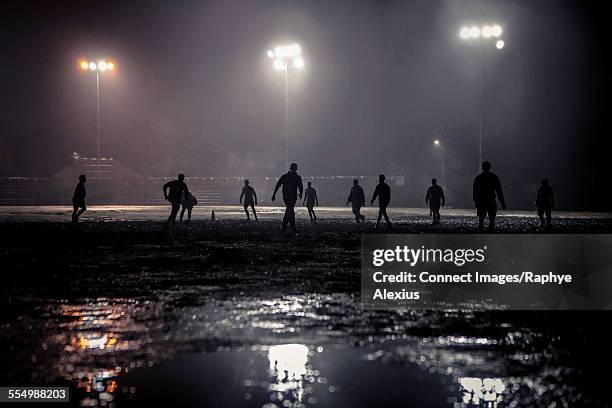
(288, 51)
(486, 31)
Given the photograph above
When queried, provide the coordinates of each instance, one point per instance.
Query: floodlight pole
(98, 120)
(286, 115)
(442, 159)
(481, 69)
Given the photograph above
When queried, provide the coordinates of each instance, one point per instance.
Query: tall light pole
(438, 146)
(287, 57)
(482, 35)
(98, 67)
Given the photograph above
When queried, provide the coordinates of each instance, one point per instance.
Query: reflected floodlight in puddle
(288, 361)
(482, 391)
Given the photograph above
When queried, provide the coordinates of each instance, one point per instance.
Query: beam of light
(279, 64)
(288, 51)
(93, 66)
(500, 44)
(474, 32)
(465, 33)
(84, 65)
(496, 30)
(486, 31)
(298, 62)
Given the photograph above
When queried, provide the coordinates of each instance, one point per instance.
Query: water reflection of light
(486, 392)
(92, 333)
(96, 341)
(288, 367)
(288, 361)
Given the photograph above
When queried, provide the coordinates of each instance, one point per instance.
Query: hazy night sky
(194, 91)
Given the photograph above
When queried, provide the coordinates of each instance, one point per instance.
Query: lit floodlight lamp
(298, 62)
(270, 54)
(102, 66)
(110, 66)
(93, 66)
(288, 51)
(84, 65)
(279, 64)
(500, 44)
(474, 32)
(486, 31)
(465, 33)
(496, 30)
(436, 142)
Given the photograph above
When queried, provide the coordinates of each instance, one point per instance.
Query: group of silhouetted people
(486, 191)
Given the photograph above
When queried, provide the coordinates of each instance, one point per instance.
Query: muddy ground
(230, 313)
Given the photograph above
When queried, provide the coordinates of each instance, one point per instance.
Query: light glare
(298, 63)
(500, 44)
(288, 51)
(496, 30)
(464, 33)
(436, 142)
(93, 66)
(486, 31)
(279, 64)
(270, 54)
(84, 65)
(102, 66)
(474, 32)
(110, 66)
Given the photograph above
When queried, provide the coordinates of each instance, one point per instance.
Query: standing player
(545, 203)
(487, 188)
(78, 199)
(176, 190)
(435, 198)
(357, 200)
(310, 200)
(383, 192)
(291, 183)
(250, 199)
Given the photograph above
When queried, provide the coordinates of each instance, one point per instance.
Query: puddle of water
(285, 375)
(200, 345)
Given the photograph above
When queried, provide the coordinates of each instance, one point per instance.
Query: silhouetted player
(383, 192)
(188, 202)
(310, 200)
(545, 202)
(78, 199)
(357, 199)
(176, 190)
(486, 186)
(291, 182)
(435, 198)
(250, 199)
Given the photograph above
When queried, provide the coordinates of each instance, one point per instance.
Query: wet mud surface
(230, 313)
